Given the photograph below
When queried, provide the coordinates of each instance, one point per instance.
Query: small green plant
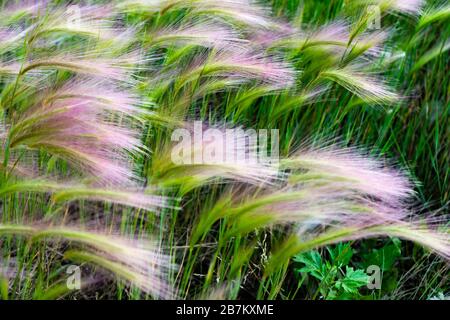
(385, 258)
(336, 279)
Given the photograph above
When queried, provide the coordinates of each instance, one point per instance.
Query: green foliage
(335, 278)
(384, 257)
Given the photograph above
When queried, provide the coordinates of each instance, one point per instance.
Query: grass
(87, 178)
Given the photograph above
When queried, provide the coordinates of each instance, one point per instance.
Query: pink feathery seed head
(411, 7)
(246, 11)
(364, 84)
(7, 35)
(331, 204)
(94, 21)
(107, 171)
(106, 68)
(96, 64)
(148, 265)
(152, 268)
(101, 95)
(266, 38)
(99, 29)
(438, 241)
(373, 43)
(330, 210)
(335, 35)
(408, 6)
(435, 240)
(27, 7)
(126, 36)
(148, 199)
(205, 33)
(103, 167)
(145, 201)
(9, 69)
(229, 153)
(367, 176)
(97, 11)
(141, 5)
(243, 63)
(76, 130)
(12, 37)
(337, 32)
(104, 135)
(142, 262)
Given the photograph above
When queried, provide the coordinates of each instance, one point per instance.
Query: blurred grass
(415, 132)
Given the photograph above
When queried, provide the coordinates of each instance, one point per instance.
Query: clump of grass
(88, 111)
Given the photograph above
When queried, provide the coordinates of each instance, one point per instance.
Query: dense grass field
(107, 190)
